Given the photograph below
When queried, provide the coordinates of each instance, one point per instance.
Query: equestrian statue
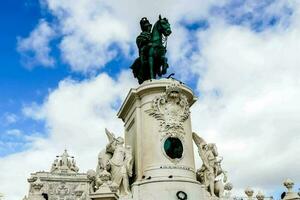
(152, 44)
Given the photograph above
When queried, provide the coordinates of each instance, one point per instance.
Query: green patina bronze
(151, 42)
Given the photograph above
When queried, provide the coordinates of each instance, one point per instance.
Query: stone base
(104, 196)
(168, 190)
(125, 197)
(291, 196)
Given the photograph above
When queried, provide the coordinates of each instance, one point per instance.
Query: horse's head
(164, 26)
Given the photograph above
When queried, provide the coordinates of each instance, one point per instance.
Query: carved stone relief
(172, 110)
(62, 191)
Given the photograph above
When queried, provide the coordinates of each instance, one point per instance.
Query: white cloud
(248, 84)
(33, 111)
(249, 104)
(35, 49)
(75, 114)
(9, 118)
(14, 132)
(91, 30)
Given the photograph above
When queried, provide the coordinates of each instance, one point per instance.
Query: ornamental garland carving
(172, 110)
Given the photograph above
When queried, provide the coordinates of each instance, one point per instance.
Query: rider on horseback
(143, 41)
(151, 43)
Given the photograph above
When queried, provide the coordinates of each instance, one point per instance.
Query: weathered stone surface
(114, 168)
(156, 160)
(249, 192)
(153, 113)
(61, 183)
(104, 196)
(211, 174)
(64, 164)
(290, 194)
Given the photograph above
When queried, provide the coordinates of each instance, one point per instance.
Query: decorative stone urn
(289, 184)
(249, 192)
(260, 196)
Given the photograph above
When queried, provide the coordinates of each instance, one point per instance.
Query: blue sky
(20, 85)
(237, 55)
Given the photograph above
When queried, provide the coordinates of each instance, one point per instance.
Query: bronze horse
(155, 63)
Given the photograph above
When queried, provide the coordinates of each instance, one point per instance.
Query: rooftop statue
(152, 44)
(64, 164)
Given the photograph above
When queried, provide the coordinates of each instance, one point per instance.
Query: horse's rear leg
(165, 65)
(151, 63)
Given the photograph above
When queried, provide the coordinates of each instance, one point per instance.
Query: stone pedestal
(106, 191)
(158, 128)
(104, 196)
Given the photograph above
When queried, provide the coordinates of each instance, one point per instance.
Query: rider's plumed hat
(144, 22)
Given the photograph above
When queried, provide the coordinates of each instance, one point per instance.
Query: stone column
(158, 128)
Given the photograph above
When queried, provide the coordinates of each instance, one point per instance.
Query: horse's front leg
(165, 65)
(151, 62)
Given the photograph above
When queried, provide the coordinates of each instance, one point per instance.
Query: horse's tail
(137, 70)
(135, 67)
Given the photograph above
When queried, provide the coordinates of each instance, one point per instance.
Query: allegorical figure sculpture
(211, 168)
(64, 163)
(106, 154)
(121, 166)
(151, 43)
(114, 167)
